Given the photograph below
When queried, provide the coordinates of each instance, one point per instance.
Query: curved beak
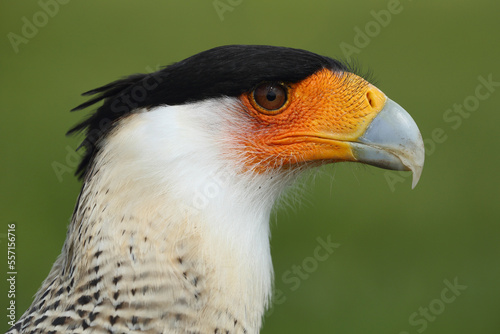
(392, 141)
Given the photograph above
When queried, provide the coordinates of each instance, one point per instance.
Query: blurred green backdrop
(398, 248)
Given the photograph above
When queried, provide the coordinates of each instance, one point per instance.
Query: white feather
(182, 169)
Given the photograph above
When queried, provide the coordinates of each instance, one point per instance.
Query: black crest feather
(223, 71)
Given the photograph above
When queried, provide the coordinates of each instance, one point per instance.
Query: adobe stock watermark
(32, 25)
(453, 118)
(11, 273)
(206, 193)
(298, 273)
(364, 35)
(223, 6)
(429, 313)
(121, 104)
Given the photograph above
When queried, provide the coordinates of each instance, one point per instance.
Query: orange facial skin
(323, 113)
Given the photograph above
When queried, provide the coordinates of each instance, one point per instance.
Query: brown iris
(270, 97)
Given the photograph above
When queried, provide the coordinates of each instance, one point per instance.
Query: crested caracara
(170, 233)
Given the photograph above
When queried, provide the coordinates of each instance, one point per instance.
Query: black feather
(222, 71)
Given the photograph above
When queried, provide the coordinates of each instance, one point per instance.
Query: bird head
(265, 109)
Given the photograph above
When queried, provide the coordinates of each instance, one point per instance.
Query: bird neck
(194, 252)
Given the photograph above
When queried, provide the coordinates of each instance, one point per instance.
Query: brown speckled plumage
(122, 285)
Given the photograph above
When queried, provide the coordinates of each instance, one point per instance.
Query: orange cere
(324, 112)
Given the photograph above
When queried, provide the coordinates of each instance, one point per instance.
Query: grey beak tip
(392, 141)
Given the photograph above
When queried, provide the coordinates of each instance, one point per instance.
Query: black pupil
(271, 95)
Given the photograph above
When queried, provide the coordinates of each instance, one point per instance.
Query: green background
(397, 246)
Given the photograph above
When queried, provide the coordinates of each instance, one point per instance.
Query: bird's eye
(270, 97)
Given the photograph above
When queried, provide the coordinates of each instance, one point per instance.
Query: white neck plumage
(166, 208)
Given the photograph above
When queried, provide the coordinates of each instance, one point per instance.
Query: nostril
(371, 98)
(375, 98)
